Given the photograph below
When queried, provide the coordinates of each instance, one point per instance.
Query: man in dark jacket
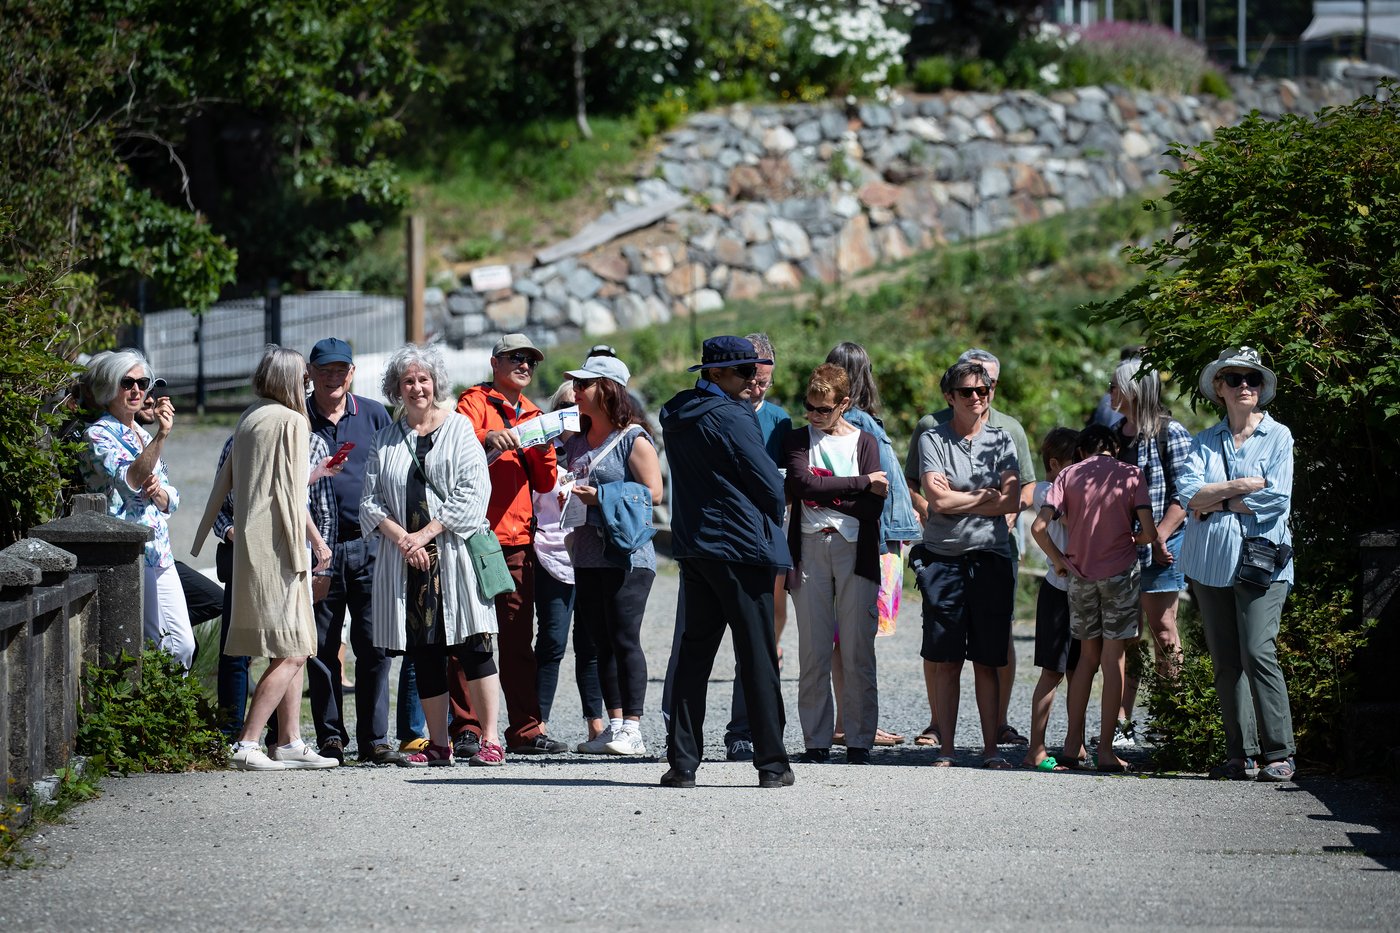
(726, 517)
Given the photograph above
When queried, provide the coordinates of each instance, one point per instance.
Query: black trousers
(718, 594)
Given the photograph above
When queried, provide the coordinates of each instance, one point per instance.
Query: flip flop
(888, 738)
(929, 738)
(1076, 764)
(996, 763)
(1047, 764)
(839, 738)
(943, 761)
(1008, 735)
(1121, 767)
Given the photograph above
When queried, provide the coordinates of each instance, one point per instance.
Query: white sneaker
(254, 759)
(1124, 736)
(302, 757)
(627, 742)
(598, 745)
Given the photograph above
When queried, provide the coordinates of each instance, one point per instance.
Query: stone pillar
(17, 577)
(112, 550)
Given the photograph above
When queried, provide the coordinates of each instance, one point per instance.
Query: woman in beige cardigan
(268, 472)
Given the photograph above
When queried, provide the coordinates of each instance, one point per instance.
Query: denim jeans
(409, 720)
(232, 683)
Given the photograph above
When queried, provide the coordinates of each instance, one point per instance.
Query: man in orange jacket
(495, 407)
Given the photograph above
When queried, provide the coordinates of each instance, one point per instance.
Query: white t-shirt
(836, 453)
(1058, 533)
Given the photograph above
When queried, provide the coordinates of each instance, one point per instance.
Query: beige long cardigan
(267, 471)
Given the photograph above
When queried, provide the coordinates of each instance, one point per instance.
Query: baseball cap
(331, 350)
(513, 342)
(602, 367)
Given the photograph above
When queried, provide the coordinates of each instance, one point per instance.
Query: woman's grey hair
(978, 355)
(426, 358)
(281, 377)
(1141, 388)
(762, 344)
(960, 371)
(105, 372)
(852, 357)
(565, 390)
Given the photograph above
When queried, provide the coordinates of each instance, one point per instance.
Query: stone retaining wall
(786, 195)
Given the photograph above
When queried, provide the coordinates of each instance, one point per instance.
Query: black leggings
(611, 602)
(430, 665)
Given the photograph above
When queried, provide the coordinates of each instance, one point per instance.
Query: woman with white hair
(122, 462)
(425, 493)
(1154, 442)
(268, 470)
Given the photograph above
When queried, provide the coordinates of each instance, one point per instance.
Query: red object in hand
(820, 471)
(341, 455)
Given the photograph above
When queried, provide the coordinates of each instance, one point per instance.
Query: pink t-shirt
(1096, 499)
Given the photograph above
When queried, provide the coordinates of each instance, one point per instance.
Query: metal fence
(197, 354)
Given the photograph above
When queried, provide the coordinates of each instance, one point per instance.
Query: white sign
(491, 278)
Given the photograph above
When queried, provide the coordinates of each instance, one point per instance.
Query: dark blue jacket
(726, 493)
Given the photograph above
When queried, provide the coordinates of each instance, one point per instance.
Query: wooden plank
(414, 319)
(606, 229)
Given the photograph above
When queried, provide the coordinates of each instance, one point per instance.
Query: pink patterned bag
(891, 587)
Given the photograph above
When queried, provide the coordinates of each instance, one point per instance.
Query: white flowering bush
(842, 46)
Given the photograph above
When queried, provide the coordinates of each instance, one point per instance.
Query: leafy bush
(837, 48)
(1138, 55)
(1214, 83)
(163, 723)
(933, 74)
(1286, 243)
(978, 75)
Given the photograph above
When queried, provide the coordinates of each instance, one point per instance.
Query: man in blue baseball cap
(726, 526)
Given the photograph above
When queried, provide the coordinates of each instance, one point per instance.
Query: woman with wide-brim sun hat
(1238, 485)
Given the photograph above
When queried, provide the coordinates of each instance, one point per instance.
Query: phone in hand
(158, 390)
(341, 455)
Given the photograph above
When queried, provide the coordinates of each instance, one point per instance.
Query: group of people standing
(445, 536)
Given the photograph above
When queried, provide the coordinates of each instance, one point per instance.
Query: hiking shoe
(333, 748)
(413, 745)
(382, 754)
(491, 755)
(466, 745)
(769, 779)
(302, 757)
(1245, 770)
(1277, 772)
(739, 750)
(539, 745)
(598, 745)
(628, 742)
(436, 756)
(253, 759)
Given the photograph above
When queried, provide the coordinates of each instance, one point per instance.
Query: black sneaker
(384, 754)
(332, 748)
(739, 750)
(769, 779)
(815, 756)
(857, 756)
(465, 746)
(539, 745)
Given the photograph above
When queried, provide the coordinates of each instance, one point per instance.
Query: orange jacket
(515, 473)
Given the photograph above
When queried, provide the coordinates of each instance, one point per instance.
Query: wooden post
(414, 323)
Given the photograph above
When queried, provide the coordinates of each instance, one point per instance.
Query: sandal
(436, 756)
(1235, 769)
(1118, 767)
(943, 761)
(996, 763)
(1047, 764)
(1008, 735)
(1277, 772)
(888, 738)
(929, 738)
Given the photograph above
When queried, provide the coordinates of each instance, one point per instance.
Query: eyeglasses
(520, 359)
(819, 409)
(746, 370)
(129, 383)
(1252, 379)
(969, 391)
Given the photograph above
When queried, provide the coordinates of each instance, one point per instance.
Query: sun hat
(513, 342)
(331, 350)
(602, 367)
(720, 352)
(1238, 358)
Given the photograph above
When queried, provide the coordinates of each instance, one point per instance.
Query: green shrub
(163, 723)
(933, 74)
(1213, 82)
(979, 75)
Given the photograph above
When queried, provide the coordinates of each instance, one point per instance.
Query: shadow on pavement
(1368, 803)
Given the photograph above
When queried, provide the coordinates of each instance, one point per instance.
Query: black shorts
(968, 604)
(1055, 649)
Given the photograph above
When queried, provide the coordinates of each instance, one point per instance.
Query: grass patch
(18, 820)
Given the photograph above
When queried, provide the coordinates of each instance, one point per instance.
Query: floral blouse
(112, 447)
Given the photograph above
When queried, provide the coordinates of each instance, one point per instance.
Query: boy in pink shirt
(1098, 500)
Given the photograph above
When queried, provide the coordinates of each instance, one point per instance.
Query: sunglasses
(129, 383)
(819, 409)
(969, 391)
(583, 383)
(521, 359)
(1252, 379)
(746, 370)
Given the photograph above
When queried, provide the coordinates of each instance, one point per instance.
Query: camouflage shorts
(1105, 608)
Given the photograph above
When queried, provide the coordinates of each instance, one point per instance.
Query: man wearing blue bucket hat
(726, 527)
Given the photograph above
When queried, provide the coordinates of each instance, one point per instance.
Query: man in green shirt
(1026, 466)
